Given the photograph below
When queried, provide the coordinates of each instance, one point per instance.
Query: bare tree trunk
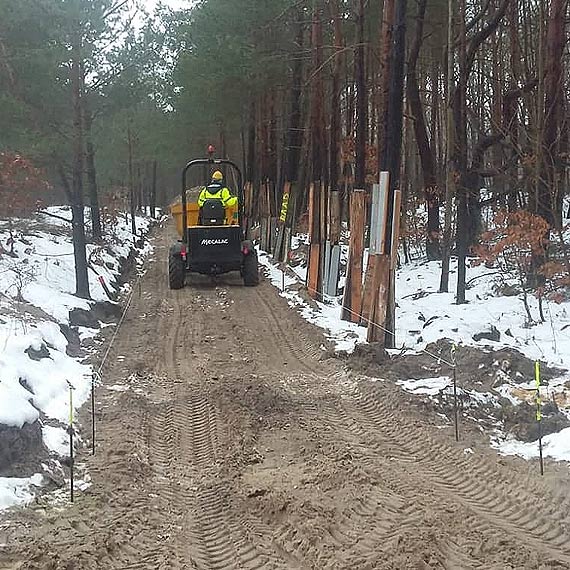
(460, 113)
(96, 230)
(153, 190)
(336, 117)
(131, 184)
(78, 213)
(394, 150)
(427, 158)
(361, 103)
(385, 52)
(550, 178)
(318, 151)
(450, 142)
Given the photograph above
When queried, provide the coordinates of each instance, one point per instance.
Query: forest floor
(227, 438)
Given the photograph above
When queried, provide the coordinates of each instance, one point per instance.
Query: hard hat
(217, 176)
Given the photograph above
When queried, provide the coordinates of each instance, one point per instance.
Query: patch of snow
(342, 334)
(56, 440)
(556, 446)
(17, 490)
(429, 386)
(36, 294)
(118, 388)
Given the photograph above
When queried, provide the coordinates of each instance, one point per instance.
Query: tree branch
(478, 38)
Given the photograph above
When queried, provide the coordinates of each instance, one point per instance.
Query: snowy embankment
(40, 353)
(490, 321)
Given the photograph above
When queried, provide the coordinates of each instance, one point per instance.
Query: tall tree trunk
(431, 189)
(78, 213)
(96, 230)
(385, 54)
(318, 152)
(449, 151)
(293, 142)
(361, 103)
(550, 179)
(394, 150)
(153, 190)
(335, 131)
(131, 184)
(460, 116)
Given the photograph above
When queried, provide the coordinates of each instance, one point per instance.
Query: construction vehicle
(212, 238)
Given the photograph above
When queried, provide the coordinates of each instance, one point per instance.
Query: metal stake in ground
(539, 413)
(70, 431)
(93, 378)
(455, 410)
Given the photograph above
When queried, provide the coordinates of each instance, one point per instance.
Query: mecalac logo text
(225, 241)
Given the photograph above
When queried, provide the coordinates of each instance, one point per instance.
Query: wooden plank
(274, 225)
(396, 226)
(311, 211)
(313, 273)
(353, 290)
(390, 341)
(263, 237)
(369, 293)
(286, 244)
(323, 213)
(285, 202)
(376, 325)
(335, 221)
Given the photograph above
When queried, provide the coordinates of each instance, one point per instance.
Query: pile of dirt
(483, 371)
(97, 313)
(21, 450)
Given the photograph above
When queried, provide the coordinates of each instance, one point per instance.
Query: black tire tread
(250, 270)
(176, 271)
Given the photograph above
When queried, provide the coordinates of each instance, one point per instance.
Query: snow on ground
(36, 295)
(18, 490)
(342, 334)
(428, 386)
(424, 316)
(556, 446)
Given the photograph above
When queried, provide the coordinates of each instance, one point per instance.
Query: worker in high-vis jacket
(217, 190)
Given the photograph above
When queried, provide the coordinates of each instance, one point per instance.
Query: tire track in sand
(494, 500)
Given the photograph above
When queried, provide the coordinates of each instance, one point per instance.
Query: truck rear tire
(250, 271)
(176, 271)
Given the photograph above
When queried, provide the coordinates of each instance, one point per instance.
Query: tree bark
(96, 230)
(549, 183)
(385, 53)
(361, 103)
(394, 150)
(427, 159)
(153, 190)
(131, 185)
(77, 209)
(449, 150)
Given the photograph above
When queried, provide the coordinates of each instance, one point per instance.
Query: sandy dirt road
(237, 446)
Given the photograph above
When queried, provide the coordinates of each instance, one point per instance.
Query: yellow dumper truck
(212, 237)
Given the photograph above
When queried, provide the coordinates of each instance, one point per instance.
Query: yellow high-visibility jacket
(217, 192)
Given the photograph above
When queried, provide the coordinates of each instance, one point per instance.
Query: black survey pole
(93, 377)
